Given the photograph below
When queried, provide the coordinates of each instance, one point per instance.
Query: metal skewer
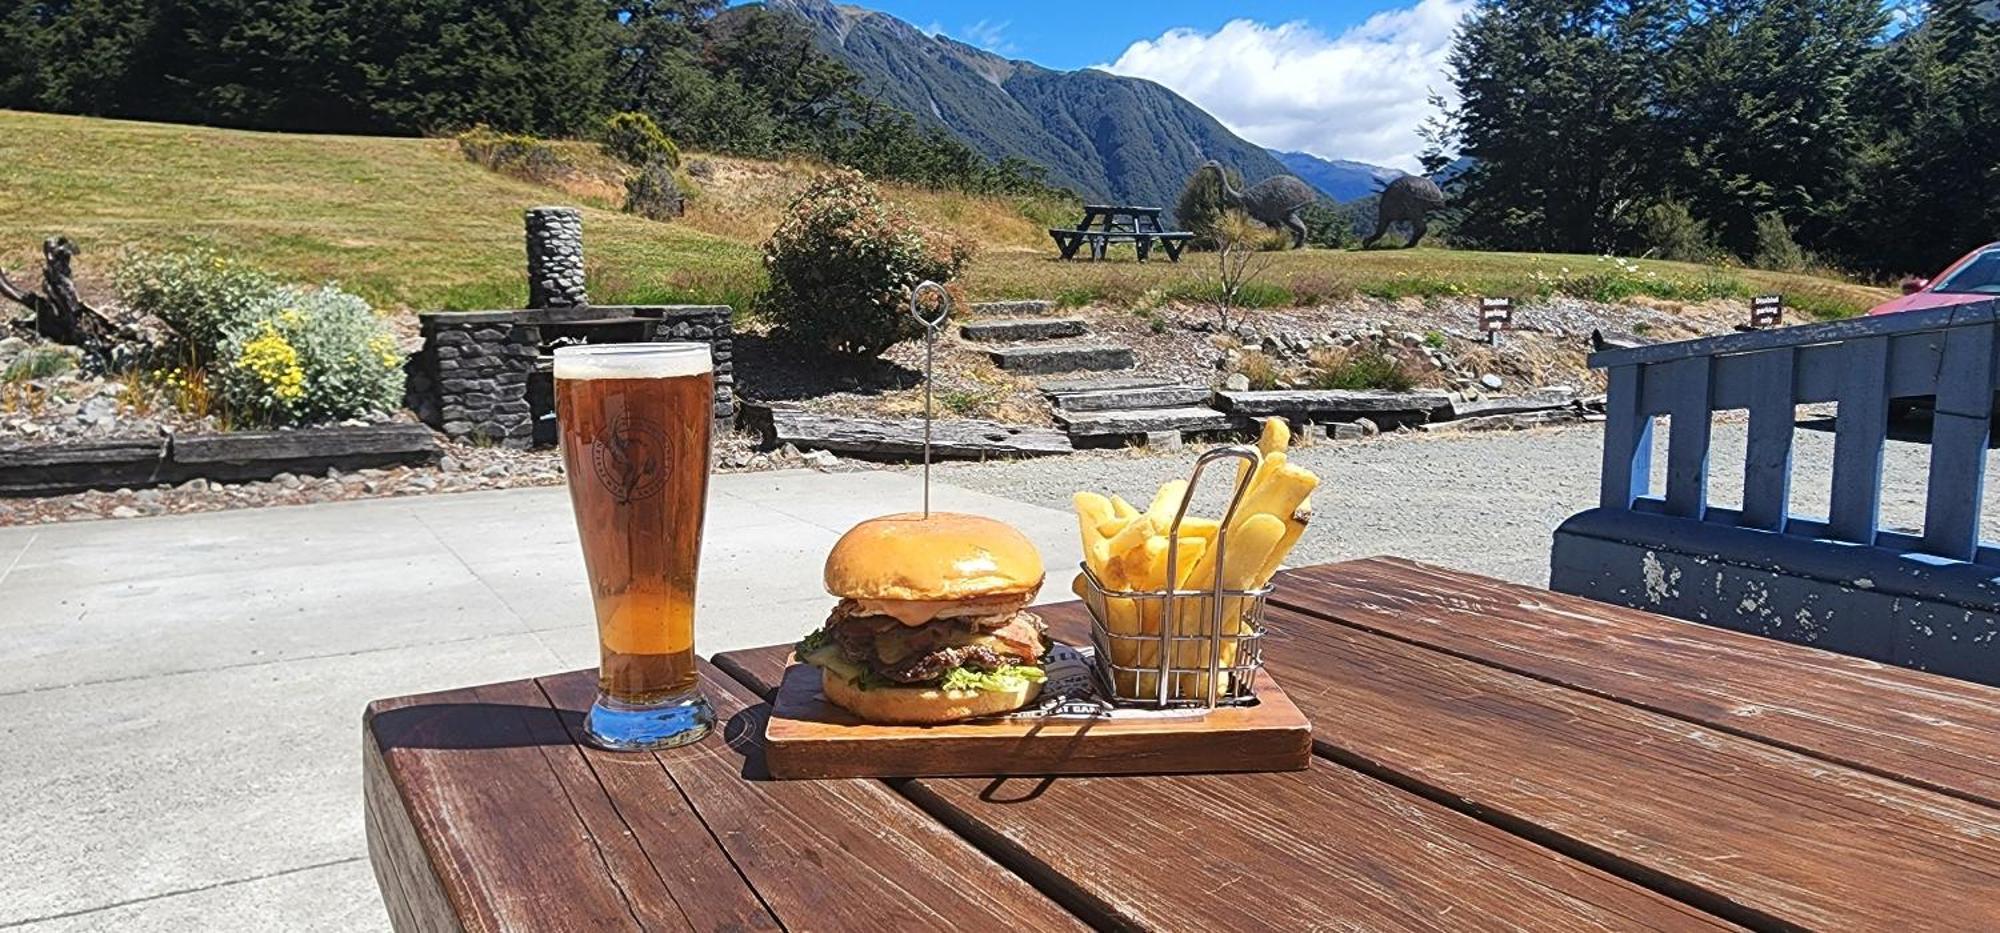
(932, 326)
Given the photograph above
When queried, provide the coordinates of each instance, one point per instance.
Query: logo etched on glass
(630, 459)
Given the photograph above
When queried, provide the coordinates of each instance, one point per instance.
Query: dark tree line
(743, 80)
(1723, 126)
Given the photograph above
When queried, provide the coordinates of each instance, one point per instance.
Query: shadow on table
(475, 726)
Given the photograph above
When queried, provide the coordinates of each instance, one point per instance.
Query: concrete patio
(181, 697)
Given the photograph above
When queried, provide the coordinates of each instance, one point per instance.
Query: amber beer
(635, 423)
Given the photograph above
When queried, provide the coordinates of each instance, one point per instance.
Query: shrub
(39, 363)
(1328, 226)
(523, 157)
(633, 138)
(654, 193)
(1668, 230)
(1775, 247)
(1201, 206)
(1258, 367)
(1361, 369)
(310, 355)
(842, 262)
(198, 293)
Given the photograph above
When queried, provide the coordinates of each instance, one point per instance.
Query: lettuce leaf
(811, 643)
(1007, 677)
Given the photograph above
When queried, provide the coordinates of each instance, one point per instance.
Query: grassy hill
(411, 224)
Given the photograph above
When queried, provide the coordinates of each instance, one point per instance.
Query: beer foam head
(632, 361)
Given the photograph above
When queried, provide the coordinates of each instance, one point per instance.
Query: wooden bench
(1929, 600)
(1105, 224)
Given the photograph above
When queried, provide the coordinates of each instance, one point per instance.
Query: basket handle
(1252, 458)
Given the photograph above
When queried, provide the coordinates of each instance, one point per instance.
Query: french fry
(1295, 525)
(1131, 536)
(1276, 436)
(1246, 552)
(1122, 508)
(1166, 502)
(1278, 493)
(1112, 526)
(1091, 511)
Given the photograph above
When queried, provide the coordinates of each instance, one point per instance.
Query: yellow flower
(274, 362)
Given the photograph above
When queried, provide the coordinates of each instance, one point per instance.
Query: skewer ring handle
(930, 322)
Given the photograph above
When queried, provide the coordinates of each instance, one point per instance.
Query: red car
(1975, 277)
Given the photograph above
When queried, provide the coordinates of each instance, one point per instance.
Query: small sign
(1496, 314)
(1767, 311)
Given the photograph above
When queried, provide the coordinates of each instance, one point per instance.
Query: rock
(112, 390)
(1345, 431)
(289, 481)
(29, 428)
(194, 485)
(1492, 381)
(124, 511)
(821, 458)
(496, 471)
(1368, 427)
(449, 464)
(1237, 382)
(1164, 440)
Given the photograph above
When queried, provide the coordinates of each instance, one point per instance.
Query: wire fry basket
(1182, 647)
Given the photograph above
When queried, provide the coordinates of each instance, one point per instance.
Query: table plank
(1753, 832)
(518, 827)
(1324, 848)
(496, 811)
(1919, 728)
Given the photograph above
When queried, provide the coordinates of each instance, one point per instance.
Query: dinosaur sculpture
(1274, 202)
(1409, 200)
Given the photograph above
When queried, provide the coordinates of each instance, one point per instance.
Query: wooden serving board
(809, 737)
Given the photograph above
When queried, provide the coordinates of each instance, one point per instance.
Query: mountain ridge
(1110, 137)
(1343, 180)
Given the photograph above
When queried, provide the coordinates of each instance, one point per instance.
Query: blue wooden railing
(1929, 600)
(1861, 364)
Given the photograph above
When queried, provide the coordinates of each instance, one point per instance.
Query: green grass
(404, 222)
(410, 224)
(1313, 276)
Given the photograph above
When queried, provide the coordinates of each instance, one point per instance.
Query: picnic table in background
(1105, 224)
(1486, 756)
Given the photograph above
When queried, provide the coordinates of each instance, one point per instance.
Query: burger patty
(927, 652)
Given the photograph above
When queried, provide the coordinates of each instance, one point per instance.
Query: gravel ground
(1484, 503)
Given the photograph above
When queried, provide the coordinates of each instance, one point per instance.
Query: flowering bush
(199, 293)
(310, 355)
(842, 262)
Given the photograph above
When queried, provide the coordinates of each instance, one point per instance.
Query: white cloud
(1359, 95)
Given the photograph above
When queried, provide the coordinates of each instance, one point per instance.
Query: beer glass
(635, 422)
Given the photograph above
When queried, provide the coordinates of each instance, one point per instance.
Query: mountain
(1340, 179)
(1111, 138)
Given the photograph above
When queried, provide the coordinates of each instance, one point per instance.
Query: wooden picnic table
(1104, 224)
(1487, 756)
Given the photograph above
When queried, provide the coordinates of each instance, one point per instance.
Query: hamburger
(932, 624)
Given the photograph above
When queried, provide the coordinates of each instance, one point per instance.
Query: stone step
(1062, 358)
(1166, 396)
(1339, 404)
(1145, 421)
(1026, 307)
(1025, 329)
(1067, 384)
(903, 438)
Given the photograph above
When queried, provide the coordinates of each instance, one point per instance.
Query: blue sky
(1072, 34)
(1345, 79)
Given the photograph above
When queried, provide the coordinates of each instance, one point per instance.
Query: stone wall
(481, 375)
(555, 257)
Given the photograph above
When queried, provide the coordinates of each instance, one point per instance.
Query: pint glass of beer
(635, 424)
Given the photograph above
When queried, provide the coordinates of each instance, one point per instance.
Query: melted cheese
(919, 611)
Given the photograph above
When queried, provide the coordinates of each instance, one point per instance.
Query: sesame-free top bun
(947, 556)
